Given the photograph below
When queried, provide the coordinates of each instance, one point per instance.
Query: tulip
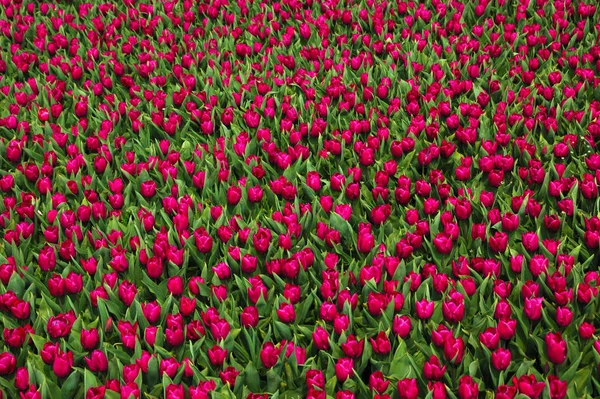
(89, 265)
(321, 338)
(556, 348)
(128, 333)
(313, 180)
(344, 368)
(154, 267)
(73, 283)
(401, 326)
(516, 263)
(454, 349)
(341, 323)
(63, 362)
(97, 361)
(48, 352)
(174, 320)
(490, 338)
(507, 328)
(462, 209)
(13, 150)
(217, 355)
(538, 265)
(269, 355)
(528, 385)
(506, 392)
(432, 369)
(130, 389)
(195, 330)
(453, 309)
(89, 338)
(378, 383)
(298, 351)
(220, 329)
(257, 290)
(501, 359)
(437, 389)
(14, 337)
(151, 311)
(440, 335)
(229, 376)
(380, 213)
(498, 242)
(127, 292)
(248, 263)
(408, 388)
(174, 391)
(168, 366)
(8, 363)
(197, 392)
(467, 388)
(315, 379)
(381, 344)
(175, 285)
(586, 330)
(533, 308)
(150, 335)
(148, 188)
(558, 388)
(424, 309)
(346, 394)
(563, 316)
(443, 243)
(352, 347)
(290, 269)
(585, 293)
(60, 326)
(510, 222)
(286, 313)
(32, 393)
(249, 317)
(502, 288)
(47, 258)
(262, 240)
(203, 240)
(22, 379)
(365, 242)
(430, 206)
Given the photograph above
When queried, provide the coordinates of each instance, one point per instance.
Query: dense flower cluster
(320, 199)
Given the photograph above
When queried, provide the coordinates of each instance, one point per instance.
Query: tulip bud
(8, 363)
(89, 338)
(22, 379)
(344, 368)
(556, 348)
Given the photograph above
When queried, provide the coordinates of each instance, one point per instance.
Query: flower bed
(291, 199)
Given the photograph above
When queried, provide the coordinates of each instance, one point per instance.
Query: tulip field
(289, 199)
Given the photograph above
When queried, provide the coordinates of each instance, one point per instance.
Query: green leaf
(400, 367)
(340, 224)
(89, 380)
(273, 380)
(16, 284)
(252, 378)
(71, 385)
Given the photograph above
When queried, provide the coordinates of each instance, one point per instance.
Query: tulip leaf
(252, 377)
(340, 224)
(71, 385)
(273, 380)
(16, 284)
(89, 380)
